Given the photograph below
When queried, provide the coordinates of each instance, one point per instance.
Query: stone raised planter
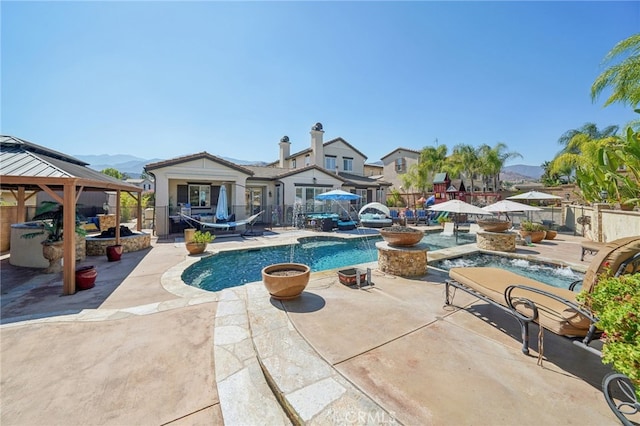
(496, 241)
(401, 236)
(401, 261)
(98, 246)
(286, 281)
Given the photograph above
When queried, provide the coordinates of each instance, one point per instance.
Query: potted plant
(86, 277)
(50, 215)
(616, 303)
(536, 231)
(198, 243)
(286, 281)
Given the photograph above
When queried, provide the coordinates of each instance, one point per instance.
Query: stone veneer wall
(496, 241)
(98, 246)
(402, 261)
(106, 221)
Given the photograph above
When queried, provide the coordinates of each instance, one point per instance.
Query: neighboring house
(144, 183)
(374, 171)
(280, 189)
(396, 163)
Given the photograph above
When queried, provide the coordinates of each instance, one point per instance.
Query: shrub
(203, 237)
(616, 303)
(529, 226)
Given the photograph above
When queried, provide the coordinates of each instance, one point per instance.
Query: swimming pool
(555, 275)
(237, 267)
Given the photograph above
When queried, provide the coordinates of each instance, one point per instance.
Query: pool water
(555, 275)
(237, 267)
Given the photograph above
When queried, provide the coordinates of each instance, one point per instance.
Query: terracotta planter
(53, 252)
(536, 236)
(550, 235)
(285, 281)
(86, 277)
(196, 248)
(404, 237)
(114, 252)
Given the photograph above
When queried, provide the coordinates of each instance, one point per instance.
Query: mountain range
(134, 166)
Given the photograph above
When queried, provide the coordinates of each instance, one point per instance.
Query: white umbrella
(457, 206)
(221, 208)
(337, 194)
(534, 195)
(506, 206)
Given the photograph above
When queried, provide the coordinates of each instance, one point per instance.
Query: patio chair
(555, 309)
(422, 217)
(395, 217)
(410, 216)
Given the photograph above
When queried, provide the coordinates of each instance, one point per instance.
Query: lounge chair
(555, 309)
(410, 217)
(449, 229)
(395, 217)
(226, 226)
(592, 247)
(421, 216)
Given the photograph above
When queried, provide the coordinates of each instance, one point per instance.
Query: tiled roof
(191, 157)
(400, 149)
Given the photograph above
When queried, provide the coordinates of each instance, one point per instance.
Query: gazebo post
(69, 239)
(118, 217)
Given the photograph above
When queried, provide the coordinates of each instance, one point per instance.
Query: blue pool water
(555, 275)
(237, 267)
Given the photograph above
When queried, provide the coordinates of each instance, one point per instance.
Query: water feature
(549, 273)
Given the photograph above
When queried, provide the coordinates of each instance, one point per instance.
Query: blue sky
(166, 79)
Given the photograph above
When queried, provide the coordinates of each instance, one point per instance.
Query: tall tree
(572, 150)
(467, 159)
(491, 162)
(114, 173)
(623, 77)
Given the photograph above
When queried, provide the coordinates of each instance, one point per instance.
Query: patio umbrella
(535, 195)
(221, 209)
(337, 195)
(460, 207)
(506, 206)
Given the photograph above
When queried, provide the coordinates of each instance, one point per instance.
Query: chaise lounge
(555, 309)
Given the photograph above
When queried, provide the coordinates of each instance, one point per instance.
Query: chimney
(285, 151)
(316, 145)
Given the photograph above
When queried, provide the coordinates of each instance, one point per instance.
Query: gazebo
(27, 168)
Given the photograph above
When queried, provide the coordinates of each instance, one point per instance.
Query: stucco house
(279, 189)
(398, 162)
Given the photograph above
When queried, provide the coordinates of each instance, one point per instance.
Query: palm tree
(571, 151)
(492, 161)
(465, 158)
(433, 160)
(624, 77)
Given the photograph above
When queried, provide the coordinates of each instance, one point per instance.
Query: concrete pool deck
(143, 348)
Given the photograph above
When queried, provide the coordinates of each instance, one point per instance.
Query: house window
(306, 196)
(330, 162)
(200, 195)
(347, 164)
(293, 163)
(307, 160)
(401, 165)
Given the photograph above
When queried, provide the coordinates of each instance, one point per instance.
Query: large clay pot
(536, 236)
(53, 252)
(286, 281)
(494, 225)
(550, 235)
(86, 277)
(114, 252)
(196, 248)
(401, 236)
